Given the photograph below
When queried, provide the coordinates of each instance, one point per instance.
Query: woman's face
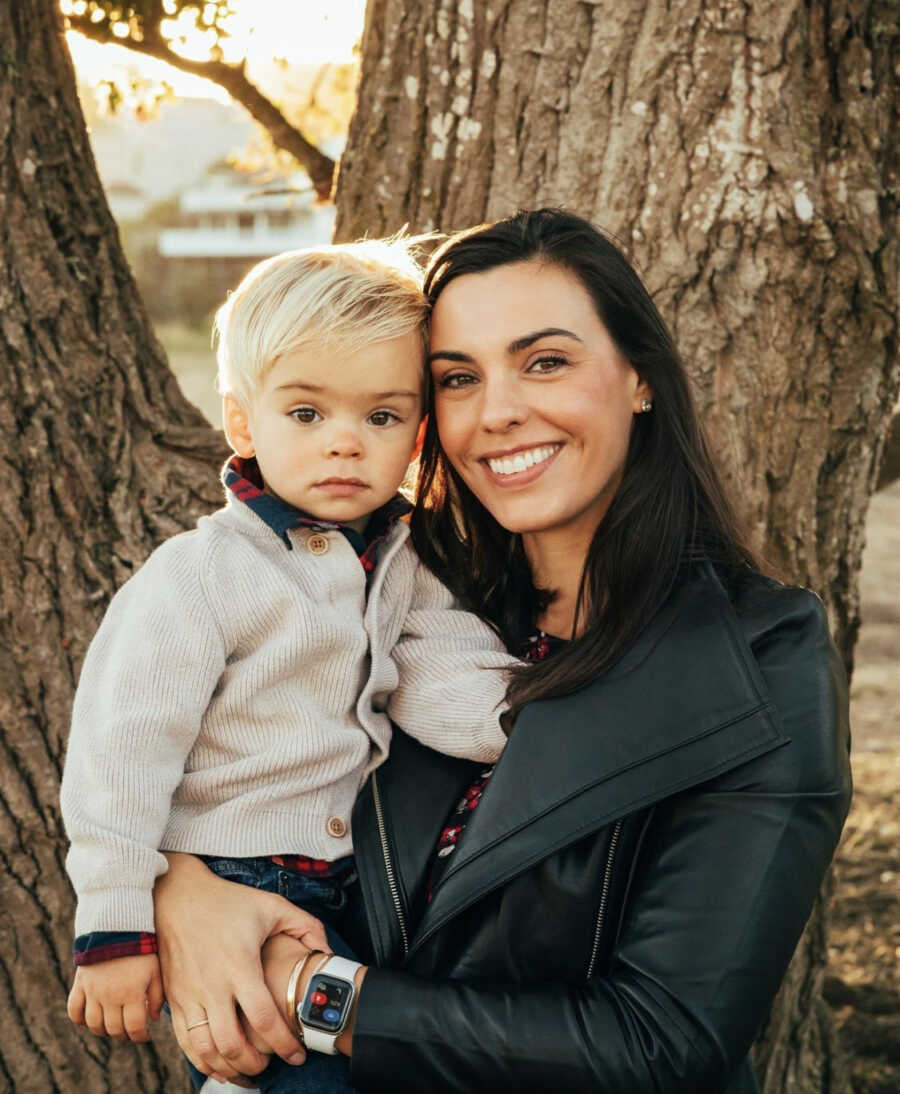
(534, 403)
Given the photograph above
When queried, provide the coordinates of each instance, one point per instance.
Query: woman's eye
(383, 417)
(306, 415)
(547, 364)
(455, 380)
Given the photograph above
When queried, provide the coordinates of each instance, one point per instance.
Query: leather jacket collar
(684, 704)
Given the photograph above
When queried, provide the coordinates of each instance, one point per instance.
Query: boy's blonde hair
(343, 296)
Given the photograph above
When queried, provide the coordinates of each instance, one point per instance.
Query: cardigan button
(336, 827)
(317, 544)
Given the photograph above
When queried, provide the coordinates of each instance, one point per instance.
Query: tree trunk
(746, 155)
(103, 458)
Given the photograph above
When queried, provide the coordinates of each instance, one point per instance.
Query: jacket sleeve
(148, 676)
(452, 681)
(719, 895)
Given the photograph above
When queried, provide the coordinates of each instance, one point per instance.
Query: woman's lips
(521, 467)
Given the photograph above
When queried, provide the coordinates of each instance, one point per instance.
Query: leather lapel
(416, 788)
(686, 703)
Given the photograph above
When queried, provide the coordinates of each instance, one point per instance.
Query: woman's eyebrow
(527, 340)
(449, 355)
(516, 346)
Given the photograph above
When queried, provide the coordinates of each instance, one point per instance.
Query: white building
(229, 217)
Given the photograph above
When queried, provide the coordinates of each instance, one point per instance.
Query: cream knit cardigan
(238, 693)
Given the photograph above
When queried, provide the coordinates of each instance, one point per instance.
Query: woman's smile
(522, 465)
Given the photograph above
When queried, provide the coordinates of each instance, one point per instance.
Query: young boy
(241, 685)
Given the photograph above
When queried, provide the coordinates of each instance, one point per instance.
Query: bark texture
(102, 459)
(745, 155)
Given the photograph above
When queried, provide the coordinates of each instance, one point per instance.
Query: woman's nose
(502, 406)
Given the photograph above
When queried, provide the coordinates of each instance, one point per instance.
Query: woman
(618, 911)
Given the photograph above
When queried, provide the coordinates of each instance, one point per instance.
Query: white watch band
(317, 1039)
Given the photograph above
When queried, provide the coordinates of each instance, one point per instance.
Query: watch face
(327, 1002)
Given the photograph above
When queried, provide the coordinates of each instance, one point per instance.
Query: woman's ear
(643, 398)
(420, 439)
(237, 427)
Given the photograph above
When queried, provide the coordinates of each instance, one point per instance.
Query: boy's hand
(115, 998)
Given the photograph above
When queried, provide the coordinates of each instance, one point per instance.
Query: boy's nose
(345, 445)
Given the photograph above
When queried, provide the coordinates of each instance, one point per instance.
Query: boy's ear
(237, 427)
(420, 439)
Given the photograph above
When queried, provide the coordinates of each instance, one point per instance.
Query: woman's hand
(279, 956)
(210, 932)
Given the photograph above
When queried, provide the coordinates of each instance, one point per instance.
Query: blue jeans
(326, 899)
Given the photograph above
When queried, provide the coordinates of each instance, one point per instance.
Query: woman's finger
(263, 1015)
(229, 1041)
(179, 1027)
(209, 1022)
(286, 918)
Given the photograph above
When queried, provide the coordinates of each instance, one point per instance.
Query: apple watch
(326, 1006)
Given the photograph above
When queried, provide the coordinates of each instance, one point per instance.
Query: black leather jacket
(626, 897)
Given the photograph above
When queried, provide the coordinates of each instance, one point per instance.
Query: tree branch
(232, 78)
(890, 458)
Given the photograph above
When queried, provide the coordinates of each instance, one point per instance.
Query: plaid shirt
(242, 477)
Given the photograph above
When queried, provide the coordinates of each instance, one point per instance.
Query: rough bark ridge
(102, 459)
(746, 156)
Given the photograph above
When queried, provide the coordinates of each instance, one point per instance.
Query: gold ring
(194, 1025)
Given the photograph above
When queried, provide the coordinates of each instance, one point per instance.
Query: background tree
(742, 152)
(159, 29)
(102, 459)
(746, 156)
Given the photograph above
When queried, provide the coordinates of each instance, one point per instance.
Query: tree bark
(889, 470)
(102, 459)
(746, 156)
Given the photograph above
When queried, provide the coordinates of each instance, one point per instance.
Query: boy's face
(333, 432)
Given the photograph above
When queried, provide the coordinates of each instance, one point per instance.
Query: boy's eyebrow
(316, 389)
(404, 394)
(516, 346)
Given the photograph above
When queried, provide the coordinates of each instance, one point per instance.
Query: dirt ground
(863, 984)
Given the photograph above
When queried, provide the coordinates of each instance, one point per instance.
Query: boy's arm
(452, 675)
(147, 678)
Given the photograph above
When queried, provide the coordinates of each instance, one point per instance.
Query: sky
(311, 32)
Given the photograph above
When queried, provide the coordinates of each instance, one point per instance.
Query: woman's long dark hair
(669, 510)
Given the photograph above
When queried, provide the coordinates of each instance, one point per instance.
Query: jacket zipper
(388, 865)
(604, 896)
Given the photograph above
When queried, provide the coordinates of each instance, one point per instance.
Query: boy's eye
(306, 414)
(383, 417)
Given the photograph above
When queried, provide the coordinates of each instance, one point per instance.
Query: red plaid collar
(243, 479)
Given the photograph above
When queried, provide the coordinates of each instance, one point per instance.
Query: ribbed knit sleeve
(147, 678)
(452, 675)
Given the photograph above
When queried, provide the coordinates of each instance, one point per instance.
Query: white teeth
(521, 461)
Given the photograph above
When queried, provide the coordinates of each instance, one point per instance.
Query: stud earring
(646, 406)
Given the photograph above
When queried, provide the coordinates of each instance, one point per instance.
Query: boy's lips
(341, 488)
